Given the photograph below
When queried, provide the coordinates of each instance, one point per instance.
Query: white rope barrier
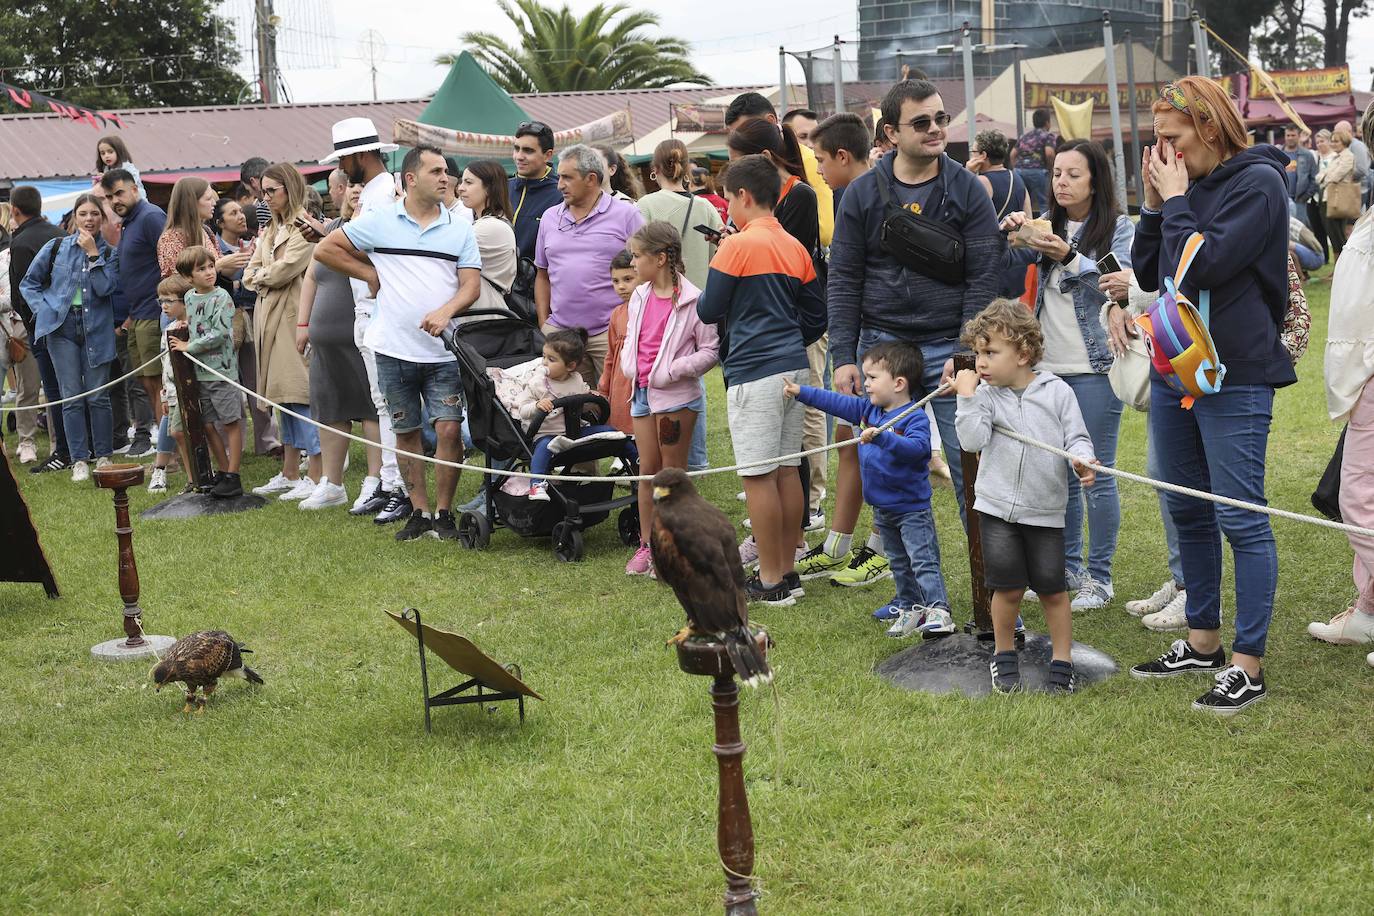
(918, 405)
(77, 397)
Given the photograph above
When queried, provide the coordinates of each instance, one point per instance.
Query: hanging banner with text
(1038, 95)
(615, 129)
(706, 119)
(1298, 84)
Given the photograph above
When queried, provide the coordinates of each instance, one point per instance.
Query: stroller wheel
(567, 543)
(627, 526)
(474, 531)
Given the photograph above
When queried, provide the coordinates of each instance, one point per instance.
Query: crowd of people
(832, 274)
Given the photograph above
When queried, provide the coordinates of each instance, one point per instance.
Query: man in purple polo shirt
(577, 241)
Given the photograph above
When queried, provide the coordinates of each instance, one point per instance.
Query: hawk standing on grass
(695, 551)
(199, 661)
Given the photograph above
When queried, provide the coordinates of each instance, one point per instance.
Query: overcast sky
(735, 44)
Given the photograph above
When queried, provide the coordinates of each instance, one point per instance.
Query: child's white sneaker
(300, 489)
(538, 491)
(81, 471)
(278, 484)
(158, 482)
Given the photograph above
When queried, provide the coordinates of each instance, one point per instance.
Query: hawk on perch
(695, 552)
(199, 661)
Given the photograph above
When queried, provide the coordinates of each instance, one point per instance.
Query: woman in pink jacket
(667, 350)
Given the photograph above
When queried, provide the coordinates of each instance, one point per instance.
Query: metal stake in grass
(734, 829)
(118, 478)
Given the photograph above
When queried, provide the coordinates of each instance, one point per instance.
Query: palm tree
(561, 52)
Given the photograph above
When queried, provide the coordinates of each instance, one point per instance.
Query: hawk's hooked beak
(660, 493)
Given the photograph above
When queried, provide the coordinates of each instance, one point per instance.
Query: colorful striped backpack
(1181, 347)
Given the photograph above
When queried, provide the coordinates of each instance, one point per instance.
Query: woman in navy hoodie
(1200, 176)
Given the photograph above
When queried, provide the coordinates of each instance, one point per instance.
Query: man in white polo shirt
(422, 266)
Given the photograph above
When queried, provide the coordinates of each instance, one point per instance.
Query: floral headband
(1179, 101)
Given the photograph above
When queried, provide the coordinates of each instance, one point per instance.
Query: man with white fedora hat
(359, 152)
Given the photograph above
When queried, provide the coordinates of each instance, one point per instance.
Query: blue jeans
(67, 351)
(405, 385)
(1154, 468)
(934, 354)
(52, 390)
(914, 555)
(1218, 446)
(696, 455)
(542, 458)
(1037, 182)
(1101, 411)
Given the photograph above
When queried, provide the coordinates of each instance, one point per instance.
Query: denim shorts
(405, 384)
(1016, 556)
(639, 404)
(297, 433)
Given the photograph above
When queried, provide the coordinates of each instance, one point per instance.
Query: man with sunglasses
(871, 296)
(534, 189)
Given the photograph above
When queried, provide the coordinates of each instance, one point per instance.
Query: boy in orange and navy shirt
(763, 292)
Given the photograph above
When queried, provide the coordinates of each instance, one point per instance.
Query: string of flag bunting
(33, 101)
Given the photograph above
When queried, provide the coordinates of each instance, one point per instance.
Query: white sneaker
(370, 484)
(1092, 595)
(81, 471)
(1156, 602)
(278, 484)
(27, 453)
(326, 496)
(1173, 616)
(102, 463)
(158, 482)
(1348, 628)
(300, 489)
(1370, 658)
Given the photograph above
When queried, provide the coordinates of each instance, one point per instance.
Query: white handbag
(1129, 375)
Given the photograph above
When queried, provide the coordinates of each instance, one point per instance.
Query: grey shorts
(765, 423)
(220, 402)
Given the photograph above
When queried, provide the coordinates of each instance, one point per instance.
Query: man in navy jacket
(871, 296)
(534, 188)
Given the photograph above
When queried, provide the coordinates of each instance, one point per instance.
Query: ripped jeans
(406, 384)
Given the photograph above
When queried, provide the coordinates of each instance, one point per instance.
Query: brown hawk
(695, 552)
(199, 661)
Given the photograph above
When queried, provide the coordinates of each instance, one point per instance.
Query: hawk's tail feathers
(744, 653)
(252, 676)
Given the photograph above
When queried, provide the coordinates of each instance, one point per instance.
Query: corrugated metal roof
(187, 139)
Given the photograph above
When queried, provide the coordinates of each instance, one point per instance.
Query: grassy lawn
(321, 792)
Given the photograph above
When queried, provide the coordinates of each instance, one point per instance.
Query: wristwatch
(1067, 259)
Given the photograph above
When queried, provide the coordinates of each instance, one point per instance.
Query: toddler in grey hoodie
(1021, 490)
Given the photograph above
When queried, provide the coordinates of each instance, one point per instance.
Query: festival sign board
(1038, 95)
(615, 129)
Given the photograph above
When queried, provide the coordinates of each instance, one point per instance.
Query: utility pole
(373, 48)
(265, 25)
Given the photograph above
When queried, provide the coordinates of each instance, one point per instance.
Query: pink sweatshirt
(689, 349)
(540, 386)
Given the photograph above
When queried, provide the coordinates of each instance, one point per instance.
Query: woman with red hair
(1201, 176)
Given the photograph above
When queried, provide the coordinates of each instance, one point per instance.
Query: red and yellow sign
(1298, 84)
(1038, 95)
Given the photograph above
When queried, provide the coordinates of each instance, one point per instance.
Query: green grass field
(320, 792)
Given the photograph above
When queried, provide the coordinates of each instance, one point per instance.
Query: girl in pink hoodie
(667, 350)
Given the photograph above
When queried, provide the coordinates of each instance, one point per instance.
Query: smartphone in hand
(712, 235)
(1108, 264)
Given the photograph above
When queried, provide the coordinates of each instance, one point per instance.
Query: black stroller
(506, 341)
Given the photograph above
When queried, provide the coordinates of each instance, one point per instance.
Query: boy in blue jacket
(894, 466)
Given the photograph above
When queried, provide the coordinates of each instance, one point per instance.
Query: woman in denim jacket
(1087, 225)
(70, 286)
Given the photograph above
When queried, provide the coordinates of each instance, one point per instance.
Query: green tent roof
(469, 99)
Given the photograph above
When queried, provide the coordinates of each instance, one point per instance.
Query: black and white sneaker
(396, 508)
(375, 502)
(55, 462)
(1181, 658)
(419, 525)
(445, 528)
(1062, 679)
(1005, 668)
(793, 582)
(779, 595)
(1233, 691)
(142, 446)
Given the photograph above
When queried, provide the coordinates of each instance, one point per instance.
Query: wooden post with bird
(982, 598)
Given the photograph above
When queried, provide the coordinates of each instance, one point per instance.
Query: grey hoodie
(1020, 483)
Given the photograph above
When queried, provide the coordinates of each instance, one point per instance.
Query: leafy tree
(1285, 40)
(1234, 20)
(558, 51)
(121, 53)
(1336, 27)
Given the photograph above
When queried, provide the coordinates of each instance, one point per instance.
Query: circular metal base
(959, 664)
(115, 651)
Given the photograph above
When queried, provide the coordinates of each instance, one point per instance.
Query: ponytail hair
(671, 162)
(659, 237)
(778, 143)
(569, 343)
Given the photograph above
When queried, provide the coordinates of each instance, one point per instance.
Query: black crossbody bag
(920, 243)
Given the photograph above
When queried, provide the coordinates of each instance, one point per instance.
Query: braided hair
(659, 237)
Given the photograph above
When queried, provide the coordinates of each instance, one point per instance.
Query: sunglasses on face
(922, 124)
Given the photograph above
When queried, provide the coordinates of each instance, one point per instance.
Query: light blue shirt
(418, 269)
